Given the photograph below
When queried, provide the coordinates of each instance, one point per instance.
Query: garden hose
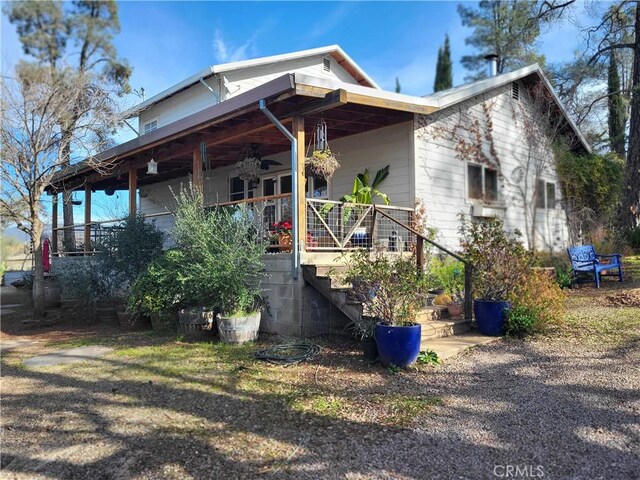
(288, 354)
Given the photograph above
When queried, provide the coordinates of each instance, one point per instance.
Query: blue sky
(166, 42)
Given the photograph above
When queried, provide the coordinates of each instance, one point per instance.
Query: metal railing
(267, 210)
(338, 226)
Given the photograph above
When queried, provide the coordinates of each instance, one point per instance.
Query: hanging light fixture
(152, 167)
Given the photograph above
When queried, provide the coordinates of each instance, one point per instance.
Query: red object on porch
(46, 261)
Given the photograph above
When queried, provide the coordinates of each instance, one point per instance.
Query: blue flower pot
(490, 316)
(398, 345)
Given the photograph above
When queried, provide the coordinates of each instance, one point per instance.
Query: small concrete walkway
(71, 355)
(447, 347)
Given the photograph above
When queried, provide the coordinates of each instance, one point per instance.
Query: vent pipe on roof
(492, 64)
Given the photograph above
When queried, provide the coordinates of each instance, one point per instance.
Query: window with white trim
(545, 195)
(150, 126)
(482, 183)
(240, 189)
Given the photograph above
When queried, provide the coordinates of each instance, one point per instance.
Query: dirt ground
(566, 406)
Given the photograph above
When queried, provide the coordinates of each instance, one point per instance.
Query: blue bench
(585, 260)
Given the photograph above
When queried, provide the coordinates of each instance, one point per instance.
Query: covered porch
(276, 120)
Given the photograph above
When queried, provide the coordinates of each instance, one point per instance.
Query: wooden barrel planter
(197, 323)
(239, 329)
(51, 294)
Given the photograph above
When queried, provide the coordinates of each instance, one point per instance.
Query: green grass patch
(605, 325)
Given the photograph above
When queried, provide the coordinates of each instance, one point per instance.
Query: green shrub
(227, 246)
(447, 274)
(131, 247)
(389, 288)
(162, 286)
(501, 263)
(633, 239)
(89, 280)
(521, 321)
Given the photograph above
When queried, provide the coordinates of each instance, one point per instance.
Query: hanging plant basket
(248, 169)
(322, 163)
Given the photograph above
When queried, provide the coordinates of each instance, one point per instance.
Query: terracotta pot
(284, 240)
(455, 309)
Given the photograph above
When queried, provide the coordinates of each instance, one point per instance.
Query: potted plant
(237, 270)
(364, 330)
(448, 274)
(249, 168)
(321, 163)
(159, 291)
(283, 231)
(389, 290)
(500, 265)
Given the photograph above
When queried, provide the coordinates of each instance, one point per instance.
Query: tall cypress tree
(444, 75)
(617, 110)
(398, 87)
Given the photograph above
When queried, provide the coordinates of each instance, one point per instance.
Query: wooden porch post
(197, 174)
(133, 191)
(298, 132)
(54, 224)
(87, 217)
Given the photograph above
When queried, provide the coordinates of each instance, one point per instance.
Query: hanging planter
(248, 169)
(321, 162)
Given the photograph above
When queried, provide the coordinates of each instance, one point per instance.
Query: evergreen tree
(71, 40)
(444, 75)
(507, 28)
(617, 109)
(398, 88)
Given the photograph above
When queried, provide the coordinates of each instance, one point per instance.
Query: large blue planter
(398, 345)
(490, 316)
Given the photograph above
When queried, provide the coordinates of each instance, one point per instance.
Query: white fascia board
(303, 79)
(233, 66)
(446, 99)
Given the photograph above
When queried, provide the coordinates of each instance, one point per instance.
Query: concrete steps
(434, 320)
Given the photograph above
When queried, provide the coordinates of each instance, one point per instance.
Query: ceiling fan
(265, 163)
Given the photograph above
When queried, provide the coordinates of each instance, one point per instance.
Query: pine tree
(617, 110)
(398, 88)
(71, 39)
(444, 76)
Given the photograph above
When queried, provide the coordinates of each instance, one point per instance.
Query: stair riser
(445, 331)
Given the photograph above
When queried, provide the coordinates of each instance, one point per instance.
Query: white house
(482, 149)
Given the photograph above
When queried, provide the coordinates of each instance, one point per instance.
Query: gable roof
(455, 95)
(344, 60)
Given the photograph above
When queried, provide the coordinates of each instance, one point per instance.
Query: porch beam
(133, 191)
(197, 173)
(87, 217)
(54, 223)
(301, 184)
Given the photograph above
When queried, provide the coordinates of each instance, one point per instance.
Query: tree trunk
(69, 237)
(38, 276)
(631, 195)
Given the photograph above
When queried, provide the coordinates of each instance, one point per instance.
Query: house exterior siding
(441, 169)
(232, 83)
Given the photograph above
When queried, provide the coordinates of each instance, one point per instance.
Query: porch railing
(337, 226)
(267, 211)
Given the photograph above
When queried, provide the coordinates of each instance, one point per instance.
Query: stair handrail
(420, 239)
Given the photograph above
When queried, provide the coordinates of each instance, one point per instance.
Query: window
(545, 195)
(482, 183)
(239, 189)
(317, 187)
(151, 126)
(326, 64)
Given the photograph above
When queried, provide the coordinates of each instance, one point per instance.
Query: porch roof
(227, 128)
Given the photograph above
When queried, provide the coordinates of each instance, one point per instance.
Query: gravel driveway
(551, 408)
